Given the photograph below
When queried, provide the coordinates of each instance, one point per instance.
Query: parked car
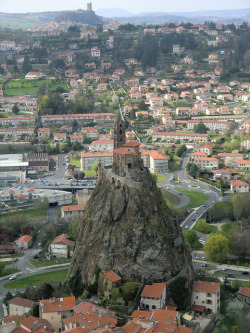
(13, 277)
(245, 273)
(230, 275)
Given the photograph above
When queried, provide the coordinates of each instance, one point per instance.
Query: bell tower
(119, 133)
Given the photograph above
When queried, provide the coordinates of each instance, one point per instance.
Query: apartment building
(182, 136)
(213, 125)
(102, 158)
(156, 161)
(207, 163)
(102, 146)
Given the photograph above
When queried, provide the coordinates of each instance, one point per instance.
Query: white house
(208, 163)
(153, 296)
(61, 247)
(102, 145)
(239, 186)
(24, 242)
(207, 295)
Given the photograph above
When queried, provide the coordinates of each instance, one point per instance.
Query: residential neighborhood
(124, 175)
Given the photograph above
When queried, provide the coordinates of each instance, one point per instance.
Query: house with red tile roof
(60, 137)
(206, 295)
(34, 325)
(155, 160)
(243, 294)
(242, 164)
(61, 247)
(239, 187)
(153, 296)
(87, 306)
(197, 154)
(206, 149)
(56, 309)
(230, 157)
(112, 280)
(72, 211)
(24, 242)
(18, 306)
(13, 318)
(102, 146)
(225, 174)
(208, 163)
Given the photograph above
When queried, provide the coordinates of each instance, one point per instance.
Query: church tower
(119, 133)
(89, 6)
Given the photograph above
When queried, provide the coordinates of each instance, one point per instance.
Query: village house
(43, 132)
(112, 280)
(55, 310)
(197, 154)
(207, 163)
(153, 296)
(34, 76)
(60, 137)
(90, 132)
(95, 52)
(102, 158)
(245, 144)
(206, 149)
(224, 174)
(76, 138)
(72, 211)
(38, 161)
(18, 306)
(206, 296)
(182, 111)
(34, 325)
(24, 242)
(244, 294)
(144, 114)
(242, 164)
(156, 102)
(213, 125)
(102, 146)
(239, 186)
(61, 247)
(230, 158)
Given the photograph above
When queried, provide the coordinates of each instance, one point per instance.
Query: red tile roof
(238, 183)
(131, 143)
(244, 292)
(63, 238)
(25, 238)
(10, 319)
(22, 302)
(112, 276)
(73, 208)
(198, 308)
(210, 287)
(57, 304)
(154, 290)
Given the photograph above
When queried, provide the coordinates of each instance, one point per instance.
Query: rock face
(127, 228)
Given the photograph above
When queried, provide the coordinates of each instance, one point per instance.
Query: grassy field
(27, 213)
(75, 161)
(8, 271)
(55, 276)
(195, 198)
(170, 199)
(45, 263)
(22, 86)
(90, 173)
(210, 229)
(159, 178)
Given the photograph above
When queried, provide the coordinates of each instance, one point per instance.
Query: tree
(234, 309)
(26, 66)
(41, 204)
(128, 291)
(202, 226)
(181, 150)
(191, 237)
(73, 226)
(217, 247)
(81, 175)
(192, 169)
(15, 109)
(95, 167)
(200, 128)
(179, 291)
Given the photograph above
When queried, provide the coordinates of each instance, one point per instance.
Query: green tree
(179, 291)
(15, 109)
(181, 150)
(73, 226)
(95, 167)
(191, 237)
(81, 175)
(217, 248)
(41, 204)
(192, 169)
(237, 206)
(200, 128)
(26, 66)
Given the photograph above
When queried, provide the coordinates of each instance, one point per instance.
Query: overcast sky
(133, 6)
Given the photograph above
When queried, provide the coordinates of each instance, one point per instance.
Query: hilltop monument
(127, 226)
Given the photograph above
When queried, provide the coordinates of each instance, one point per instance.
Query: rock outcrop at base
(128, 228)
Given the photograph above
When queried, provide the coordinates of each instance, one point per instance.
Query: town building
(101, 146)
(239, 186)
(56, 309)
(38, 161)
(244, 294)
(206, 295)
(156, 161)
(61, 247)
(183, 137)
(112, 280)
(24, 242)
(242, 164)
(73, 211)
(18, 306)
(153, 296)
(102, 158)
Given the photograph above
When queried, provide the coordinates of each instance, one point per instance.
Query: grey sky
(134, 6)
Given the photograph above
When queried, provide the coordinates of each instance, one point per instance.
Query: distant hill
(20, 20)
(80, 16)
(113, 12)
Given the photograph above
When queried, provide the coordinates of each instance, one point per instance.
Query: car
(13, 277)
(201, 239)
(204, 205)
(223, 269)
(245, 273)
(186, 227)
(230, 275)
(203, 265)
(193, 219)
(203, 258)
(180, 193)
(168, 188)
